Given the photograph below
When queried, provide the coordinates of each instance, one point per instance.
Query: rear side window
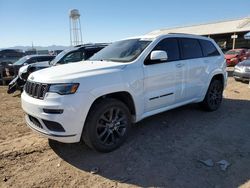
(208, 48)
(45, 58)
(32, 60)
(170, 45)
(72, 57)
(190, 48)
(90, 52)
(49, 58)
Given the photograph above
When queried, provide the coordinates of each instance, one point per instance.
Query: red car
(235, 56)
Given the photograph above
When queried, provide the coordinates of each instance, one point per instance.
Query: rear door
(163, 81)
(192, 56)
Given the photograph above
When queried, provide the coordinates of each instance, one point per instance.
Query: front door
(163, 81)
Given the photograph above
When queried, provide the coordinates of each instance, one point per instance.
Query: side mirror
(25, 64)
(158, 55)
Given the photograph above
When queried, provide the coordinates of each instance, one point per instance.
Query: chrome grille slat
(36, 90)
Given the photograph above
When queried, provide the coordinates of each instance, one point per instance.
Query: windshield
(121, 51)
(233, 52)
(59, 56)
(21, 61)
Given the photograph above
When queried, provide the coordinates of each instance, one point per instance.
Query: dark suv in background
(27, 60)
(70, 55)
(78, 53)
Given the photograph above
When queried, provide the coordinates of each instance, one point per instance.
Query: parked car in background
(30, 59)
(11, 70)
(10, 55)
(233, 57)
(129, 80)
(27, 60)
(248, 54)
(70, 55)
(75, 54)
(242, 71)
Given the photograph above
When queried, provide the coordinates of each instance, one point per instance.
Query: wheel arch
(122, 96)
(218, 76)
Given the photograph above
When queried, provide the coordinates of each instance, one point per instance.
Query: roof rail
(182, 33)
(92, 44)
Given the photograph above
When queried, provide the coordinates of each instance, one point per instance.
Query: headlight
(233, 59)
(23, 70)
(63, 89)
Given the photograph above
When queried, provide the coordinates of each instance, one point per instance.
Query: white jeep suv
(97, 100)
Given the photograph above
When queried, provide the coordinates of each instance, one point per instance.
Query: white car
(127, 81)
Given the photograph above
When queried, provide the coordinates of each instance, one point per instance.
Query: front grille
(36, 90)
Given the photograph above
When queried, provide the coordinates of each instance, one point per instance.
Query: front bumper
(244, 76)
(75, 109)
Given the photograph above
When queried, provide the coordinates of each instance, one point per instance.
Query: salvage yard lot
(163, 150)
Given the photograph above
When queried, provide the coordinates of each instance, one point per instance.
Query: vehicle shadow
(163, 150)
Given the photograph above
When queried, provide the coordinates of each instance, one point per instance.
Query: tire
(213, 98)
(236, 79)
(12, 88)
(107, 125)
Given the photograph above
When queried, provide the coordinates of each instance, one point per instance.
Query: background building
(228, 34)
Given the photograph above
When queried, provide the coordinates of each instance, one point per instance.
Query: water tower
(75, 27)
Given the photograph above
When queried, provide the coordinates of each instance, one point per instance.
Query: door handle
(179, 65)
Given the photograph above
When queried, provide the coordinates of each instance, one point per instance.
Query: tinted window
(72, 57)
(21, 61)
(208, 48)
(31, 60)
(49, 58)
(190, 48)
(90, 52)
(39, 59)
(169, 45)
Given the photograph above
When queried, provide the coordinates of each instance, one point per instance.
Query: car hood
(73, 71)
(245, 63)
(230, 56)
(24, 68)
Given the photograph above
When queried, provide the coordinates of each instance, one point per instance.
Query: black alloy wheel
(107, 125)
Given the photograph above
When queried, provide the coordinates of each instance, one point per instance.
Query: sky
(46, 22)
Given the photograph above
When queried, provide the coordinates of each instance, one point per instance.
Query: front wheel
(12, 87)
(107, 125)
(236, 79)
(213, 96)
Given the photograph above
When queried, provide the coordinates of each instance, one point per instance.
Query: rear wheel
(107, 125)
(213, 96)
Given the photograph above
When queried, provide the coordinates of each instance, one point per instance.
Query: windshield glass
(233, 52)
(59, 56)
(121, 51)
(21, 61)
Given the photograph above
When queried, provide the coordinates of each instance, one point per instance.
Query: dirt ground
(161, 151)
